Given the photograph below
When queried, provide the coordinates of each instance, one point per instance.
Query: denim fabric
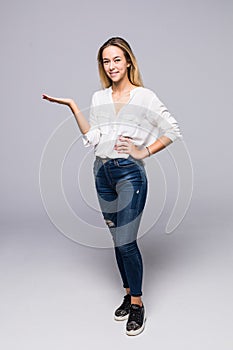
(121, 186)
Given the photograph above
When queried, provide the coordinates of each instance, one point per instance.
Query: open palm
(64, 101)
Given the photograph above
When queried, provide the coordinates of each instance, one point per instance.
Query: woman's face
(115, 64)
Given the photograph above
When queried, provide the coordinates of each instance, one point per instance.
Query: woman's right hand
(81, 120)
(63, 101)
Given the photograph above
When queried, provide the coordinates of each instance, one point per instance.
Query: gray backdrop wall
(184, 50)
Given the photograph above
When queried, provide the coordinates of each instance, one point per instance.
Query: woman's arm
(83, 124)
(158, 145)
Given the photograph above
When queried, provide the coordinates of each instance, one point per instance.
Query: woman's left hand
(126, 145)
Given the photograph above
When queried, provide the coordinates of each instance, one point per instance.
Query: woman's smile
(113, 74)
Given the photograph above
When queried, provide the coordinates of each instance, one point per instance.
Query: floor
(58, 294)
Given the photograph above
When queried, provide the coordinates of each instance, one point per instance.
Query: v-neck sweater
(143, 118)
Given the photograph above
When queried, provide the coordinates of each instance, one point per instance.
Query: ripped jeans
(121, 186)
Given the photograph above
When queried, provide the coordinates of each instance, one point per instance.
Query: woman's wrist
(144, 153)
(74, 108)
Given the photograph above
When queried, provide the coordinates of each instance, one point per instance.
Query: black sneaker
(122, 312)
(136, 320)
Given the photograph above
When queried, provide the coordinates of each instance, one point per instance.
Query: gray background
(56, 293)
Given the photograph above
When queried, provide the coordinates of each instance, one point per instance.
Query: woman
(124, 126)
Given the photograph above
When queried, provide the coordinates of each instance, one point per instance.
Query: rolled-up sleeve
(161, 118)
(92, 137)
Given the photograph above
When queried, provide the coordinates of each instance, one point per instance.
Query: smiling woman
(115, 51)
(125, 121)
(115, 65)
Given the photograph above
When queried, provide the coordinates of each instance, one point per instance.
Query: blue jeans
(121, 186)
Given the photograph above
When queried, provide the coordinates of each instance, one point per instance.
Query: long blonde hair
(133, 70)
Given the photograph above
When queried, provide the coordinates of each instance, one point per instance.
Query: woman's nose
(111, 65)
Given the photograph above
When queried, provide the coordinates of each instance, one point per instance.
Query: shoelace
(135, 315)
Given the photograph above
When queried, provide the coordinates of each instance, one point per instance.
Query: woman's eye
(115, 61)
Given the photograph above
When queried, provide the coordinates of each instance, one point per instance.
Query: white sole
(118, 318)
(138, 331)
